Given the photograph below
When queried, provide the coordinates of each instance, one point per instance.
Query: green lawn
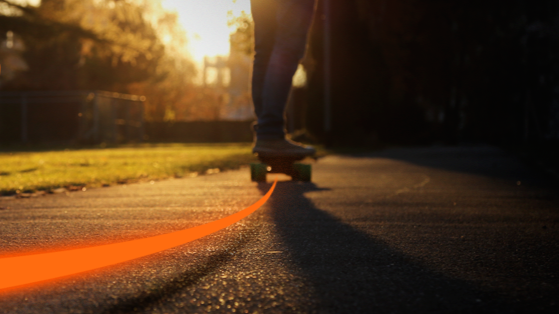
(28, 171)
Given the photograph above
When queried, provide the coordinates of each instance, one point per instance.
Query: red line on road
(23, 270)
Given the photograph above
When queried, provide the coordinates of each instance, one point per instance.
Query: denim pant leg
(264, 15)
(280, 44)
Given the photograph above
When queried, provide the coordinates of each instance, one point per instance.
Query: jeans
(280, 35)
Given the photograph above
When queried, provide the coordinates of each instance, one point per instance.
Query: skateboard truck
(280, 164)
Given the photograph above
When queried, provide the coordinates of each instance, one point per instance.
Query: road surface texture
(405, 230)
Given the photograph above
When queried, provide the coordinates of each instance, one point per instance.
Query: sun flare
(206, 23)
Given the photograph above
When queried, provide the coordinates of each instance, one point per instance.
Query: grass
(25, 171)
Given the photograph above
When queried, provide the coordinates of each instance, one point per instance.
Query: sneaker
(282, 148)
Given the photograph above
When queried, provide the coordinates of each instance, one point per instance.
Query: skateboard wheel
(258, 172)
(301, 172)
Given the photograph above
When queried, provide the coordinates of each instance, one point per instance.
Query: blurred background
(376, 71)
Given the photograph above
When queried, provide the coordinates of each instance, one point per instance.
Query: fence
(79, 116)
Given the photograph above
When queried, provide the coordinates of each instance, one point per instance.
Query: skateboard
(287, 165)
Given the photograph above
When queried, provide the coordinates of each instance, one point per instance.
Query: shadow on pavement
(488, 161)
(353, 272)
(191, 276)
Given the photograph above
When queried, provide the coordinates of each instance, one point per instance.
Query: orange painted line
(22, 270)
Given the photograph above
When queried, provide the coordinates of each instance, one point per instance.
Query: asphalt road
(408, 230)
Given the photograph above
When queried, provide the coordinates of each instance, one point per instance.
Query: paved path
(410, 230)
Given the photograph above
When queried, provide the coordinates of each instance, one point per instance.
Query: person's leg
(264, 14)
(293, 18)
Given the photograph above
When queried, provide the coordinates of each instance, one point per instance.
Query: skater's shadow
(353, 272)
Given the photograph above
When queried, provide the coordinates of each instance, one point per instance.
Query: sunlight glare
(300, 77)
(27, 2)
(206, 23)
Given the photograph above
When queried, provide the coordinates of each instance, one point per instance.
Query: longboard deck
(276, 164)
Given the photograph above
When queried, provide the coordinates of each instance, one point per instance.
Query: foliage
(124, 46)
(242, 40)
(439, 70)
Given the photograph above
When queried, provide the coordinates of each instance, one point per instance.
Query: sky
(205, 22)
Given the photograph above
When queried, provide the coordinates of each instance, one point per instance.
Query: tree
(124, 46)
(410, 70)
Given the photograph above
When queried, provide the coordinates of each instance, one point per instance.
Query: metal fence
(72, 116)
